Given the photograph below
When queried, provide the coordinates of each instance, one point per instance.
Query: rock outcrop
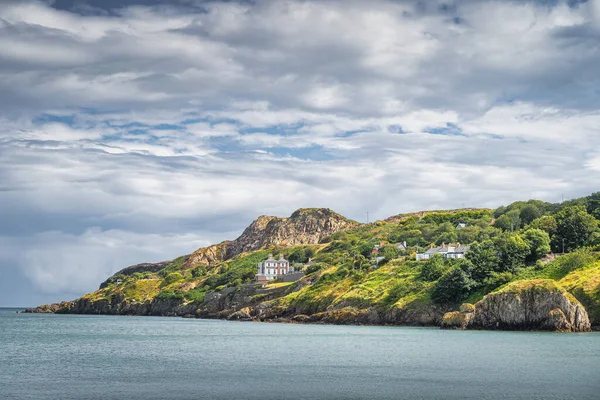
(539, 304)
(459, 319)
(304, 226)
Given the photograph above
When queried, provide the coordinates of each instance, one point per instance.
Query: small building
(461, 225)
(273, 269)
(401, 246)
(446, 251)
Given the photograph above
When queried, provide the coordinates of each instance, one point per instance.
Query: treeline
(529, 231)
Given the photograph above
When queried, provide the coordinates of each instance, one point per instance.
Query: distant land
(530, 265)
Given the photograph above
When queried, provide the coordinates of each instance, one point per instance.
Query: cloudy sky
(140, 130)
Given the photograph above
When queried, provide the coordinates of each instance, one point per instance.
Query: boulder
(459, 319)
(539, 304)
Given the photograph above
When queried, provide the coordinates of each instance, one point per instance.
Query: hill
(356, 273)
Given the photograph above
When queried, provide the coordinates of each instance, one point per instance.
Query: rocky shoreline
(538, 305)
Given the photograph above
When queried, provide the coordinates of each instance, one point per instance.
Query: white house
(461, 225)
(272, 268)
(446, 251)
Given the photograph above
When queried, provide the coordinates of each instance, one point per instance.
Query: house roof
(447, 249)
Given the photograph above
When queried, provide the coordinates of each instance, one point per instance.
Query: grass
(584, 284)
(142, 290)
(279, 284)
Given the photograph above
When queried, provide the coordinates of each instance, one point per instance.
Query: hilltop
(360, 274)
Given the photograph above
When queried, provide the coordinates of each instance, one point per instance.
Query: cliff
(304, 226)
(539, 304)
(354, 274)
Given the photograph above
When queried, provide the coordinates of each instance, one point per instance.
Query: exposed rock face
(459, 319)
(530, 305)
(208, 255)
(304, 226)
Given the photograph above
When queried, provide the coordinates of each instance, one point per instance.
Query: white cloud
(135, 135)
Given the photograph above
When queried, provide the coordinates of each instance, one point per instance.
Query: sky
(140, 130)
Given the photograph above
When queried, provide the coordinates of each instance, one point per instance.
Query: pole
(367, 217)
(563, 245)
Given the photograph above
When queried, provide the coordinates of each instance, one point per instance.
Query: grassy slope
(343, 277)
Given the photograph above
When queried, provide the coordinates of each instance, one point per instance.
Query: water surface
(60, 357)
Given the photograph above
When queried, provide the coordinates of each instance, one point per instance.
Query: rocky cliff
(304, 226)
(539, 304)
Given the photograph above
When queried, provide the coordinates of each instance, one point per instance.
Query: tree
(547, 223)
(504, 222)
(515, 219)
(593, 205)
(539, 243)
(484, 260)
(298, 256)
(432, 269)
(389, 252)
(574, 226)
(453, 286)
(512, 252)
(528, 213)
(468, 234)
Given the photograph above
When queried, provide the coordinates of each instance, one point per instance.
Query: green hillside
(345, 284)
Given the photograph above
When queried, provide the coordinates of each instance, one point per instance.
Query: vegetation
(508, 245)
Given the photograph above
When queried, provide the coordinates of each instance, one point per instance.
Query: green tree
(484, 260)
(547, 223)
(389, 252)
(539, 243)
(515, 219)
(504, 222)
(445, 233)
(574, 226)
(512, 252)
(593, 205)
(298, 256)
(454, 286)
(432, 269)
(528, 213)
(468, 234)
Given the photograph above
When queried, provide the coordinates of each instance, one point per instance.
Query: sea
(62, 357)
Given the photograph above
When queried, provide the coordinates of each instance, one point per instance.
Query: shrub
(454, 286)
(569, 262)
(539, 243)
(172, 278)
(195, 295)
(432, 269)
(314, 268)
(170, 294)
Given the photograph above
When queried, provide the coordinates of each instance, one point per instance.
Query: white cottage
(446, 251)
(272, 268)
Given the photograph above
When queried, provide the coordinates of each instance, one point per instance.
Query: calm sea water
(100, 357)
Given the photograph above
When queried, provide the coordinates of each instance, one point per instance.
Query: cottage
(272, 269)
(461, 225)
(446, 251)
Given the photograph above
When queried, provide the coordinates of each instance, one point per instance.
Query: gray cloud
(137, 131)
